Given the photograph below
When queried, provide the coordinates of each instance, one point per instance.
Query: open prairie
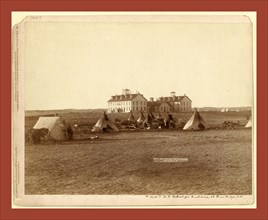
(218, 161)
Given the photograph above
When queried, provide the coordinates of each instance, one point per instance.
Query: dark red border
(147, 5)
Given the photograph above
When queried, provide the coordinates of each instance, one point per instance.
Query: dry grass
(122, 163)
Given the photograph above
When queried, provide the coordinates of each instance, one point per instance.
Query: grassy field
(219, 162)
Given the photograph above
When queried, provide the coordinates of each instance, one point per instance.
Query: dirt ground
(219, 162)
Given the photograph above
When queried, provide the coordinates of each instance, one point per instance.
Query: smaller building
(127, 102)
(178, 103)
(159, 106)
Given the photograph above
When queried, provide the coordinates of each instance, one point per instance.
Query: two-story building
(177, 103)
(127, 102)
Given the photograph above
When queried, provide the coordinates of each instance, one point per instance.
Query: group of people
(148, 122)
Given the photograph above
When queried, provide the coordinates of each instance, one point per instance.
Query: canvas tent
(131, 117)
(168, 117)
(168, 121)
(152, 116)
(56, 130)
(249, 124)
(104, 124)
(196, 122)
(141, 118)
(148, 121)
(159, 116)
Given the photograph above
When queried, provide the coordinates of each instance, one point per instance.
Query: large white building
(127, 102)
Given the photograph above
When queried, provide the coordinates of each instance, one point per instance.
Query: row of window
(127, 103)
(141, 102)
(185, 103)
(184, 109)
(163, 109)
(119, 103)
(134, 108)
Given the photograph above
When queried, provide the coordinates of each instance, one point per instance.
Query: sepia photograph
(134, 109)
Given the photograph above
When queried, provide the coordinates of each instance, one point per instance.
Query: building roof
(173, 98)
(128, 97)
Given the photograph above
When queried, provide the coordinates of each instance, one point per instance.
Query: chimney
(125, 91)
(172, 94)
(151, 99)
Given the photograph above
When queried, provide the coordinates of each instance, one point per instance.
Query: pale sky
(81, 64)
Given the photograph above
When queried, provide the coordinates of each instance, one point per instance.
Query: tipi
(104, 124)
(196, 122)
(148, 121)
(249, 124)
(159, 117)
(141, 118)
(131, 117)
(56, 129)
(152, 116)
(168, 120)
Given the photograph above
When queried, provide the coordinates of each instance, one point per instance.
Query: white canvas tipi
(131, 117)
(104, 124)
(141, 118)
(196, 122)
(53, 125)
(249, 124)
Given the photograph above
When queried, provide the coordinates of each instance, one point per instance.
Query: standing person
(69, 132)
